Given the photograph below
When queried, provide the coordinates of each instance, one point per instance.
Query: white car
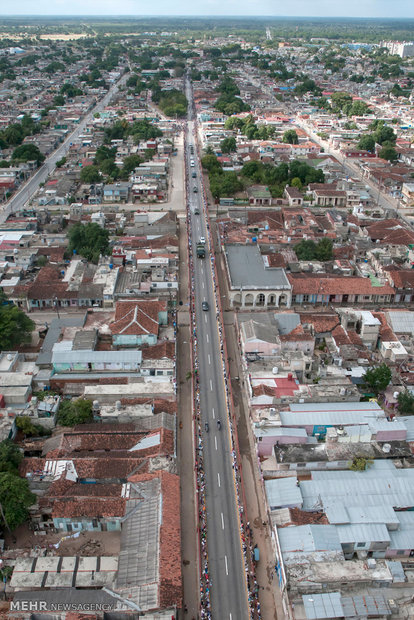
(192, 164)
(202, 239)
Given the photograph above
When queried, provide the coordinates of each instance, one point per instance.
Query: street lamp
(55, 300)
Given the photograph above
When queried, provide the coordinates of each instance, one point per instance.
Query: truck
(201, 250)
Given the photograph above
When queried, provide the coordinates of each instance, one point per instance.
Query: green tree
(290, 137)
(383, 134)
(296, 182)
(15, 498)
(378, 378)
(72, 412)
(360, 463)
(228, 145)
(10, 456)
(15, 326)
(89, 240)
(324, 250)
(388, 152)
(406, 402)
(61, 162)
(28, 152)
(130, 163)
(26, 426)
(211, 164)
(90, 174)
(367, 143)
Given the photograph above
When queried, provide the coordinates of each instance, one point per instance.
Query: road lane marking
(206, 334)
(222, 521)
(209, 359)
(225, 561)
(215, 441)
(202, 284)
(218, 478)
(214, 415)
(230, 617)
(211, 385)
(205, 318)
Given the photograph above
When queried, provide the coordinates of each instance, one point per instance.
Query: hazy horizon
(212, 8)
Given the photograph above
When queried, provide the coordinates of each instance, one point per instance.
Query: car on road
(192, 164)
(195, 190)
(202, 240)
(194, 175)
(196, 211)
(205, 306)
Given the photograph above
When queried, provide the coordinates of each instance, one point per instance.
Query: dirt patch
(86, 544)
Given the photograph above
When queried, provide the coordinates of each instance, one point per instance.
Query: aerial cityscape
(207, 311)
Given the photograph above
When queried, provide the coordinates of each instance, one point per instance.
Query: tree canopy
(89, 240)
(309, 250)
(10, 456)
(290, 137)
(228, 145)
(15, 325)
(15, 498)
(28, 152)
(367, 143)
(406, 402)
(378, 378)
(73, 412)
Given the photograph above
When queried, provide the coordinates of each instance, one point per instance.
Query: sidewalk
(189, 537)
(269, 593)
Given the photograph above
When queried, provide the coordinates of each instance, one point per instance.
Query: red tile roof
(402, 278)
(162, 350)
(136, 317)
(311, 284)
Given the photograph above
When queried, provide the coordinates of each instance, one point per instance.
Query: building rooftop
(247, 269)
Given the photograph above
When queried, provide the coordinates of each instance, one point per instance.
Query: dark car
(195, 190)
(194, 175)
(205, 306)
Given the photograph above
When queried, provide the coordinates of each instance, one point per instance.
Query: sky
(295, 8)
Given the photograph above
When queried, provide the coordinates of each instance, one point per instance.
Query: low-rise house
(329, 198)
(137, 322)
(294, 196)
(116, 192)
(312, 288)
(251, 282)
(259, 195)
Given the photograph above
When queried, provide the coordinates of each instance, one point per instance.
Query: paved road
(28, 189)
(351, 169)
(226, 566)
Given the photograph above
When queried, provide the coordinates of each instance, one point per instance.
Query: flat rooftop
(247, 269)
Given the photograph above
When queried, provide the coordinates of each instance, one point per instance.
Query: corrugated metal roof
(319, 606)
(309, 538)
(379, 485)
(147, 442)
(385, 425)
(362, 533)
(277, 431)
(396, 570)
(403, 538)
(283, 492)
(332, 417)
(363, 606)
(409, 423)
(401, 322)
(97, 357)
(337, 406)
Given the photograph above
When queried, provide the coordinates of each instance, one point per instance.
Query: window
(401, 552)
(361, 544)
